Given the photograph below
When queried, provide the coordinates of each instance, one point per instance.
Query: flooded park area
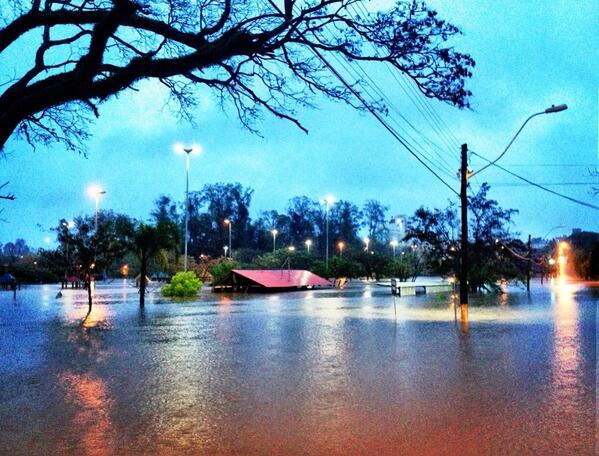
(351, 371)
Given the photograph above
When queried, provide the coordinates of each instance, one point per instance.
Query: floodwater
(314, 372)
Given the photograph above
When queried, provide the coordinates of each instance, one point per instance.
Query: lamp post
(225, 248)
(341, 246)
(367, 243)
(465, 174)
(180, 149)
(308, 245)
(394, 245)
(95, 192)
(229, 223)
(274, 239)
(328, 201)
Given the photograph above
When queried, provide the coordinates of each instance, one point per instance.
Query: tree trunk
(89, 291)
(142, 280)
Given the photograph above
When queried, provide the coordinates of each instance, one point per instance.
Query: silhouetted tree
(252, 54)
(494, 253)
(165, 210)
(375, 215)
(149, 241)
(303, 214)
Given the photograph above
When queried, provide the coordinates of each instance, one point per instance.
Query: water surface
(315, 372)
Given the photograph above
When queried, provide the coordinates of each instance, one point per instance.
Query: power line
(561, 195)
(519, 184)
(367, 106)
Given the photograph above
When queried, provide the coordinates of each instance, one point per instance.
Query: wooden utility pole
(528, 264)
(464, 243)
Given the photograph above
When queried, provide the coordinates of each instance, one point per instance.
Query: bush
(182, 284)
(222, 268)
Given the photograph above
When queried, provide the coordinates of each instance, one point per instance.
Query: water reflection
(322, 372)
(89, 397)
(566, 338)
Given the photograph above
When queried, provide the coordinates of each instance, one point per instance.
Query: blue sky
(529, 55)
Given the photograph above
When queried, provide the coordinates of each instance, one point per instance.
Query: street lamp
(274, 239)
(225, 248)
(96, 191)
(328, 201)
(308, 245)
(550, 110)
(228, 222)
(291, 248)
(341, 246)
(394, 245)
(180, 149)
(367, 242)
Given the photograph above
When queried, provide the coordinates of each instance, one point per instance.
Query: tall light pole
(229, 223)
(95, 192)
(180, 149)
(274, 239)
(308, 245)
(465, 174)
(394, 245)
(328, 201)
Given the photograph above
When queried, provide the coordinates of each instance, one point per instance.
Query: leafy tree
(493, 251)
(222, 268)
(303, 214)
(16, 249)
(263, 226)
(250, 53)
(220, 201)
(375, 215)
(165, 210)
(148, 242)
(345, 221)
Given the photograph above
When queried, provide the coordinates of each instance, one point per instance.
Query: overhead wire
(369, 108)
(540, 186)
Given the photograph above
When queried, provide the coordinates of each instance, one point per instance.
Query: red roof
(282, 278)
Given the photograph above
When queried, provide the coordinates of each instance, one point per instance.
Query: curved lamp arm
(549, 110)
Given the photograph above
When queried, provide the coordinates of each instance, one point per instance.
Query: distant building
(396, 227)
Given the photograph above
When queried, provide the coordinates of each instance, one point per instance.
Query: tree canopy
(256, 55)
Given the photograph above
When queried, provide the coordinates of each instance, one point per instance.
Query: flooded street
(314, 372)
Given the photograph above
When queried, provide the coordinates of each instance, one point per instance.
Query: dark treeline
(431, 244)
(303, 219)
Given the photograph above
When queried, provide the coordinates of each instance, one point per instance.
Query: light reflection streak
(567, 359)
(92, 419)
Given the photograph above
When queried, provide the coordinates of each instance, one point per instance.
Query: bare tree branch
(253, 56)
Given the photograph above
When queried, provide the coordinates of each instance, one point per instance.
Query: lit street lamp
(274, 239)
(225, 248)
(341, 246)
(367, 242)
(95, 191)
(328, 201)
(308, 245)
(291, 248)
(180, 149)
(394, 245)
(228, 222)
